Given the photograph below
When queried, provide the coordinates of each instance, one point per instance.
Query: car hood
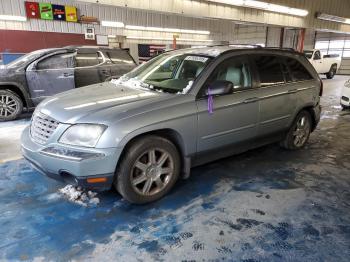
(100, 103)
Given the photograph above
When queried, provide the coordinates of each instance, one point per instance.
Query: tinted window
(119, 57)
(269, 69)
(234, 70)
(298, 71)
(88, 59)
(58, 61)
(286, 73)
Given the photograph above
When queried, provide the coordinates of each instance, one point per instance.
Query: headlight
(86, 135)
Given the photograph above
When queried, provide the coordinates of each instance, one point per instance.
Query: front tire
(299, 132)
(332, 72)
(11, 105)
(148, 170)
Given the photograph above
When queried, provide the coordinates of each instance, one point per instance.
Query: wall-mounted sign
(90, 33)
(32, 10)
(46, 11)
(59, 12)
(49, 11)
(89, 20)
(71, 14)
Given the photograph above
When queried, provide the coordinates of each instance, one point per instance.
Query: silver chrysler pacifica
(142, 132)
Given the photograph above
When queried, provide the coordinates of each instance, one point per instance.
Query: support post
(301, 40)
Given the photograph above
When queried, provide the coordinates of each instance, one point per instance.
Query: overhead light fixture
(264, 6)
(168, 39)
(112, 24)
(13, 18)
(333, 18)
(170, 30)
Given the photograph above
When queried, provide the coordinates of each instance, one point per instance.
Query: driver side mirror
(220, 87)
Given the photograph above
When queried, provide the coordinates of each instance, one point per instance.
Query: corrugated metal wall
(201, 8)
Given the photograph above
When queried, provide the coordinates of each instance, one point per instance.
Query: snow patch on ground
(79, 196)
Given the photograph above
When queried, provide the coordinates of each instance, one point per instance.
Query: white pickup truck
(324, 64)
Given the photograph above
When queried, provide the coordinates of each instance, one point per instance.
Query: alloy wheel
(8, 106)
(152, 171)
(301, 131)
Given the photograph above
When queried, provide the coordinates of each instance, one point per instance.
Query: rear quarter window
(298, 71)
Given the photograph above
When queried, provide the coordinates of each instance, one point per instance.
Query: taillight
(321, 88)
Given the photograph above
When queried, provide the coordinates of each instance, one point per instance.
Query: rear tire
(11, 105)
(332, 72)
(148, 170)
(299, 132)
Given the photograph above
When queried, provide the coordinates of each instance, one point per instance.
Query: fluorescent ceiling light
(264, 6)
(333, 18)
(170, 30)
(168, 39)
(112, 24)
(13, 18)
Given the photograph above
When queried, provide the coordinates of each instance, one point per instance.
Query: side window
(269, 70)
(119, 57)
(88, 59)
(299, 72)
(236, 70)
(58, 61)
(317, 55)
(286, 73)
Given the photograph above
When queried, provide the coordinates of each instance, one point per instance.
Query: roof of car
(217, 50)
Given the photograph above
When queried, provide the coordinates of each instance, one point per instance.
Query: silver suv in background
(181, 109)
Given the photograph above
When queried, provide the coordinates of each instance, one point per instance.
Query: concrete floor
(264, 205)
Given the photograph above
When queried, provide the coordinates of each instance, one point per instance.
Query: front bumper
(89, 168)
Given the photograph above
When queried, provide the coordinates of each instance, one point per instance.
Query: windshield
(169, 72)
(26, 58)
(308, 54)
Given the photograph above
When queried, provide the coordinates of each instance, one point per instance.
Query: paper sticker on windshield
(197, 58)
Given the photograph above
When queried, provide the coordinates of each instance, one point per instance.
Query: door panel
(49, 76)
(87, 71)
(235, 115)
(277, 98)
(233, 120)
(277, 106)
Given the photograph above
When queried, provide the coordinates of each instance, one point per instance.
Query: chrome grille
(42, 127)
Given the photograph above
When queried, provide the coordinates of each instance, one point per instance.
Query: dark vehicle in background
(25, 82)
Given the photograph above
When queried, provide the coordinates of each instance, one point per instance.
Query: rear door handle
(251, 100)
(67, 74)
(292, 91)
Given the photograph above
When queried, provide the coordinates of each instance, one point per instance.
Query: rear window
(269, 70)
(119, 57)
(299, 72)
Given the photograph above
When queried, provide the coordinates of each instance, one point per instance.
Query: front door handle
(251, 100)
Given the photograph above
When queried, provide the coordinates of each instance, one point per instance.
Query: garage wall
(12, 40)
(202, 8)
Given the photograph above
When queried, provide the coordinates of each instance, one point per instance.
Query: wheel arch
(169, 134)
(19, 91)
(310, 110)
